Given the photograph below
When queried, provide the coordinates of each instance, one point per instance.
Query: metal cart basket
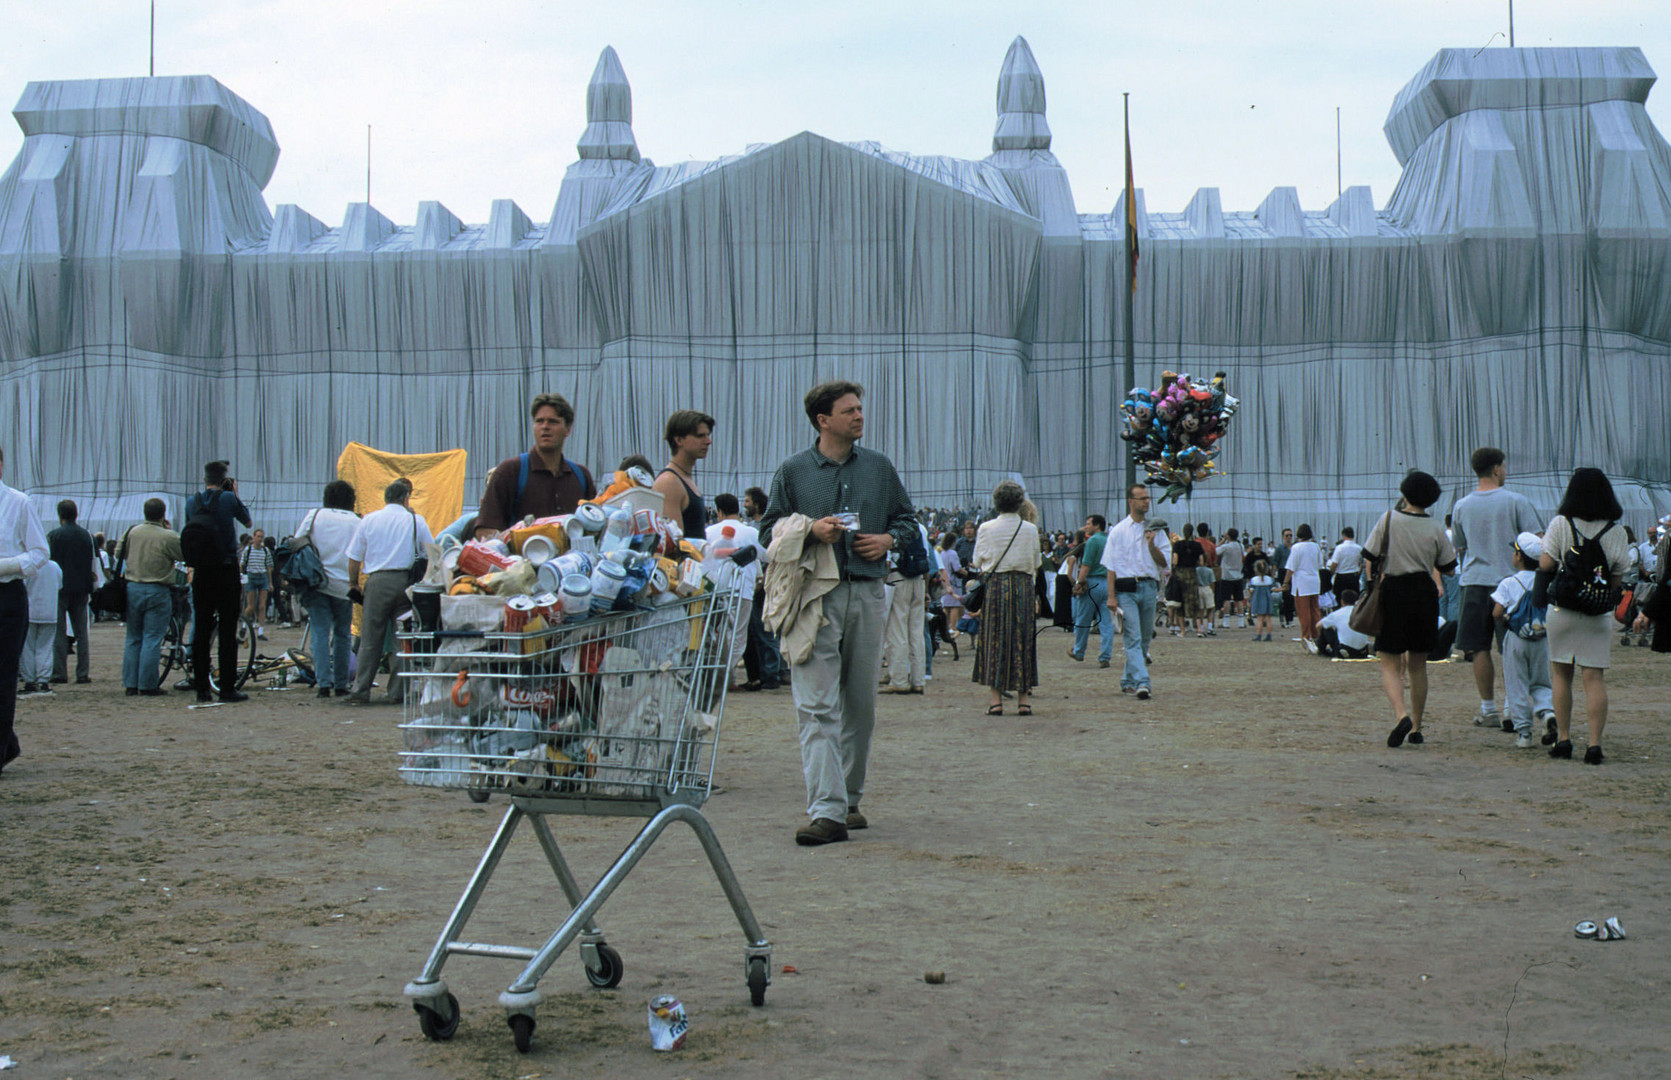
(615, 714)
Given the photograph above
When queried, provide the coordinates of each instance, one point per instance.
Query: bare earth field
(1237, 879)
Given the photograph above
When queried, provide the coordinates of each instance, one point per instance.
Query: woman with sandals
(1408, 551)
(1007, 556)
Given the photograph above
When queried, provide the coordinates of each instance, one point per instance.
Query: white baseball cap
(1529, 545)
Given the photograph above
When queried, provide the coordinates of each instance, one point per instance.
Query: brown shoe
(889, 688)
(820, 831)
(856, 820)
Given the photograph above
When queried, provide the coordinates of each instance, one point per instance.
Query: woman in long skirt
(1007, 554)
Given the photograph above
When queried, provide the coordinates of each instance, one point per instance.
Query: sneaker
(1128, 689)
(1487, 718)
(261, 631)
(820, 831)
(856, 820)
(1211, 632)
(1549, 729)
(1309, 646)
(1076, 656)
(1142, 693)
(1102, 663)
(1523, 741)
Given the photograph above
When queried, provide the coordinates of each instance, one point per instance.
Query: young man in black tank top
(689, 434)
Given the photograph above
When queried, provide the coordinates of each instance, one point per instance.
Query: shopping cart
(615, 714)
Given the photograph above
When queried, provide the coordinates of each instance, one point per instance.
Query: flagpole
(1130, 233)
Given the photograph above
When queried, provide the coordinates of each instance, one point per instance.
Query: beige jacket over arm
(799, 571)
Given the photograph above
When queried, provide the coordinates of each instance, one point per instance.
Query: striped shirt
(866, 484)
(257, 559)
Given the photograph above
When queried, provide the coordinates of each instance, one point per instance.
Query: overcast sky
(473, 101)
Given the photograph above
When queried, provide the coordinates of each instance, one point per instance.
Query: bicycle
(176, 652)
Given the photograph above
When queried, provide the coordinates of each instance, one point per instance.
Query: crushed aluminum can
(667, 1023)
(1615, 932)
(1584, 929)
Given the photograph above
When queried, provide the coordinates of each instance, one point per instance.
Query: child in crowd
(1259, 604)
(1525, 648)
(35, 665)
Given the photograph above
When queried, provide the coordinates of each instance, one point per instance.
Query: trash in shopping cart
(609, 713)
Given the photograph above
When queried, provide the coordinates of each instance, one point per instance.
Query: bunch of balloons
(1175, 429)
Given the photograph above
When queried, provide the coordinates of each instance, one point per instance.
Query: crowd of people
(852, 592)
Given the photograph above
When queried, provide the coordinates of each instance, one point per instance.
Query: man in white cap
(1526, 687)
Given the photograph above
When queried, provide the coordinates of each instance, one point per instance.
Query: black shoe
(341, 691)
(234, 696)
(1416, 738)
(83, 680)
(63, 679)
(1592, 755)
(158, 692)
(1562, 749)
(1399, 733)
(130, 691)
(204, 697)
(820, 831)
(324, 691)
(770, 684)
(1550, 735)
(1508, 725)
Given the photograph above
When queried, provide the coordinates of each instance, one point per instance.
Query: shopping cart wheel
(757, 980)
(609, 970)
(435, 1026)
(479, 796)
(522, 1030)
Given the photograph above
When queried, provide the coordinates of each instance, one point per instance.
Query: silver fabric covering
(155, 314)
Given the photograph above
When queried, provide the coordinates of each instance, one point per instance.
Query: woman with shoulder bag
(1007, 555)
(330, 528)
(1588, 511)
(1414, 553)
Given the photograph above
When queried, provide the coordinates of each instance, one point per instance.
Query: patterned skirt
(1006, 654)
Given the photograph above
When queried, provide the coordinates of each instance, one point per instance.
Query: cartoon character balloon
(1176, 430)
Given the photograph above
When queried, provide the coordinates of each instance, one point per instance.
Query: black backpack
(1582, 583)
(913, 557)
(200, 538)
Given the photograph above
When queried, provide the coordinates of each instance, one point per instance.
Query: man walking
(1484, 526)
(23, 551)
(1279, 560)
(1346, 562)
(850, 500)
(1232, 587)
(541, 482)
(906, 646)
(386, 544)
(149, 552)
(1135, 556)
(1090, 596)
(72, 550)
(214, 584)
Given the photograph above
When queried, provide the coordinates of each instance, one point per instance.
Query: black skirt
(1409, 614)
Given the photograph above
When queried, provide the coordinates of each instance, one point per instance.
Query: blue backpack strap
(588, 488)
(521, 486)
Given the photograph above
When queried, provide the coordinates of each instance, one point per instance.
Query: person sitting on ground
(1335, 637)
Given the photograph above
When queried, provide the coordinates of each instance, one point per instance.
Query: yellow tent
(437, 481)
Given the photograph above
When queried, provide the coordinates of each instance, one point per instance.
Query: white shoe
(1488, 718)
(1309, 646)
(1523, 742)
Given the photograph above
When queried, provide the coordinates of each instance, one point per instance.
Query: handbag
(1367, 616)
(974, 596)
(420, 561)
(303, 568)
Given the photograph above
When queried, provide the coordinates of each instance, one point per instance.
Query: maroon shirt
(547, 493)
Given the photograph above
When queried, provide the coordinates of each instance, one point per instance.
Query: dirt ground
(1237, 879)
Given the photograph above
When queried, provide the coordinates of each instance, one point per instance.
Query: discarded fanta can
(667, 1023)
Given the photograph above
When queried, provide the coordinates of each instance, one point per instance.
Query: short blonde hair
(1028, 511)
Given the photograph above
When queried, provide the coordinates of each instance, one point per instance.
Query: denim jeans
(1138, 611)
(1093, 607)
(150, 604)
(330, 618)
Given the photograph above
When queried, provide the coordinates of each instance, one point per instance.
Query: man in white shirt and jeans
(385, 545)
(1135, 556)
(23, 551)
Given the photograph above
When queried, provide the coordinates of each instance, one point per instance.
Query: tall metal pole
(153, 39)
(368, 164)
(1130, 299)
(1511, 24)
(1339, 187)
